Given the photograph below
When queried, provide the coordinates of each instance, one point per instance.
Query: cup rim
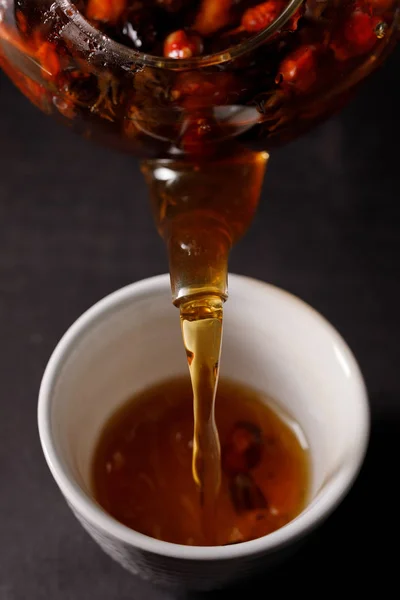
(94, 514)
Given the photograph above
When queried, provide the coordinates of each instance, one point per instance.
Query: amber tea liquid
(142, 466)
(201, 209)
(201, 320)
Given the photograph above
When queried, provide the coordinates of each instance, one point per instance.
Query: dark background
(75, 225)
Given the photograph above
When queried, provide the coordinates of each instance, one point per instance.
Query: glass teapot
(200, 91)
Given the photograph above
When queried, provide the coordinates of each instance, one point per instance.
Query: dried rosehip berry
(192, 85)
(49, 60)
(181, 44)
(359, 30)
(293, 22)
(194, 90)
(298, 71)
(105, 11)
(246, 495)
(358, 36)
(243, 448)
(212, 16)
(261, 16)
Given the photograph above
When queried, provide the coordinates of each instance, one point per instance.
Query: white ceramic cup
(272, 341)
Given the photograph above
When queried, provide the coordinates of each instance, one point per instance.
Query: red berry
(298, 71)
(359, 31)
(358, 36)
(212, 16)
(246, 496)
(107, 11)
(181, 44)
(292, 24)
(199, 90)
(49, 60)
(243, 449)
(261, 16)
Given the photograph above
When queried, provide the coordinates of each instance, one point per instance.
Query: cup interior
(273, 342)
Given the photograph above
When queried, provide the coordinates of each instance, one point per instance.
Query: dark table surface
(74, 226)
